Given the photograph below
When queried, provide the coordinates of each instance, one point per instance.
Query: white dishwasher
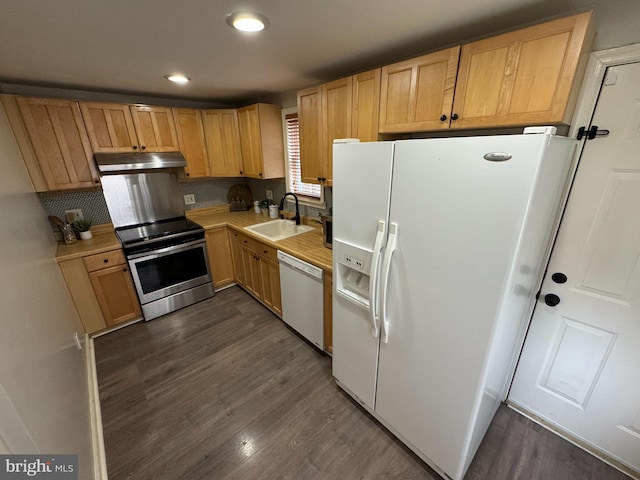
(302, 298)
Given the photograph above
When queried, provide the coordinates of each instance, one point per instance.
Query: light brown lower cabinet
(256, 268)
(102, 290)
(220, 256)
(270, 279)
(328, 312)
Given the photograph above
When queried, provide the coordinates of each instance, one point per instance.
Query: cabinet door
(116, 294)
(328, 312)
(250, 141)
(336, 121)
(271, 140)
(222, 135)
(220, 257)
(366, 105)
(270, 278)
(155, 128)
(526, 77)
(191, 138)
(236, 254)
(60, 142)
(251, 262)
(110, 127)
(247, 257)
(84, 296)
(417, 94)
(310, 121)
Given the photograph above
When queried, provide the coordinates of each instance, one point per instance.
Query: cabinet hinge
(592, 133)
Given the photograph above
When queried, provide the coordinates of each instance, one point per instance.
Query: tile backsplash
(91, 202)
(208, 193)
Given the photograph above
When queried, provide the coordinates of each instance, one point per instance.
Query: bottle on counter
(68, 233)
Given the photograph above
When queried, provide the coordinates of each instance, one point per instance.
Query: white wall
(44, 400)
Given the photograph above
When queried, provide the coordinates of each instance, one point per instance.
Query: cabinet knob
(187, 174)
(319, 179)
(551, 299)
(135, 147)
(260, 174)
(454, 116)
(142, 147)
(241, 172)
(124, 269)
(106, 260)
(443, 118)
(95, 180)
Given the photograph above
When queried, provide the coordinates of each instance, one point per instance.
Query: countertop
(306, 246)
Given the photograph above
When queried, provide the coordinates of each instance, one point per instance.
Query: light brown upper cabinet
(53, 142)
(417, 94)
(192, 144)
(310, 134)
(261, 140)
(337, 97)
(155, 128)
(365, 103)
(117, 128)
(344, 108)
(527, 77)
(222, 135)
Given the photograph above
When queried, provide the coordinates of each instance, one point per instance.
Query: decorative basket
(239, 198)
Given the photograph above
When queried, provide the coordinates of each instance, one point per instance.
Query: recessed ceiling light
(248, 21)
(181, 79)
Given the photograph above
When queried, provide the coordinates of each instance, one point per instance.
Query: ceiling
(127, 46)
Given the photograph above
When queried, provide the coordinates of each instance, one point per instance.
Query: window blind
(296, 185)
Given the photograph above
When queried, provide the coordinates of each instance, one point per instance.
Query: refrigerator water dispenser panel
(353, 269)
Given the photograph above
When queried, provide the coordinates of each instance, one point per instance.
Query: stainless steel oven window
(169, 270)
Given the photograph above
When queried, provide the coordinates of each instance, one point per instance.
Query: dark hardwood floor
(224, 390)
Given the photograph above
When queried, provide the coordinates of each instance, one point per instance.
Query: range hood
(127, 162)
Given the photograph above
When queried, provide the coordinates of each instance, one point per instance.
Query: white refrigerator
(439, 249)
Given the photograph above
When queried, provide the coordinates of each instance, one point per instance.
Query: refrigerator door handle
(373, 278)
(386, 267)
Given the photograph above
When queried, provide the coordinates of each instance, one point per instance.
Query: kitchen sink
(278, 229)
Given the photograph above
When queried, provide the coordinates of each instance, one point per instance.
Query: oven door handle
(160, 252)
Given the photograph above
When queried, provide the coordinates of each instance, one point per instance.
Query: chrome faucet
(297, 217)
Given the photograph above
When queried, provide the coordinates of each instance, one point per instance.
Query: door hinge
(592, 133)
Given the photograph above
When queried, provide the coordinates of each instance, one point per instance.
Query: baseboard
(574, 440)
(97, 438)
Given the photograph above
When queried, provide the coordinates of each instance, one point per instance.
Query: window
(308, 193)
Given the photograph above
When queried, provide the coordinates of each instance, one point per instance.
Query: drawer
(250, 243)
(267, 251)
(104, 260)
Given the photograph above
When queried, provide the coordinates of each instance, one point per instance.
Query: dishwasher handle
(299, 265)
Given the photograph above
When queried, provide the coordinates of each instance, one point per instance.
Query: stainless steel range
(165, 251)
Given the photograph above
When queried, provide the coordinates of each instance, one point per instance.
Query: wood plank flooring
(224, 390)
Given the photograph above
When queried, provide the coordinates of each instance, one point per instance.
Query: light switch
(189, 199)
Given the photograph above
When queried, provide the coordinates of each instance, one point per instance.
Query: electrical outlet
(189, 199)
(269, 194)
(73, 215)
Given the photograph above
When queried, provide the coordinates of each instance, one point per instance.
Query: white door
(580, 366)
